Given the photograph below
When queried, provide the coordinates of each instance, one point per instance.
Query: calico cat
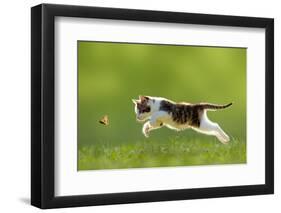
(159, 112)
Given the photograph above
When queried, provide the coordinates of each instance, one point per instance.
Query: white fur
(210, 128)
(156, 119)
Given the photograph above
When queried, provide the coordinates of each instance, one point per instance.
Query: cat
(159, 112)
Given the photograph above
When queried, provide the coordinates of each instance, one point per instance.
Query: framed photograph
(139, 106)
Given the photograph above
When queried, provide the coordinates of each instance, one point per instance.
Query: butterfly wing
(104, 120)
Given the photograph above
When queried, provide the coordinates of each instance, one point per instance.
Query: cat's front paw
(145, 130)
(146, 134)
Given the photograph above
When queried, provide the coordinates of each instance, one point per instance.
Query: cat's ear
(135, 101)
(143, 98)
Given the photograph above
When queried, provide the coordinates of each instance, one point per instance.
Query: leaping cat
(159, 112)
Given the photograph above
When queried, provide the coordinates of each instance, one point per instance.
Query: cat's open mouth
(141, 120)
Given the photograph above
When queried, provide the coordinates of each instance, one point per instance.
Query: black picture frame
(43, 110)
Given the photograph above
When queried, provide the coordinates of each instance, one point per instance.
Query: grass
(176, 151)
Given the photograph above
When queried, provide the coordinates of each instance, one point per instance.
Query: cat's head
(143, 107)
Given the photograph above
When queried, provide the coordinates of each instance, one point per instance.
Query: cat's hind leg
(211, 128)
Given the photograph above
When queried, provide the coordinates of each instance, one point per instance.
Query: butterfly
(104, 120)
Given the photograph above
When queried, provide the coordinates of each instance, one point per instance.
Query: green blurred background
(111, 74)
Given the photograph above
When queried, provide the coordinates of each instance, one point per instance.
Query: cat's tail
(208, 106)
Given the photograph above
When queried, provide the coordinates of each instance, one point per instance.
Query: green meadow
(111, 74)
